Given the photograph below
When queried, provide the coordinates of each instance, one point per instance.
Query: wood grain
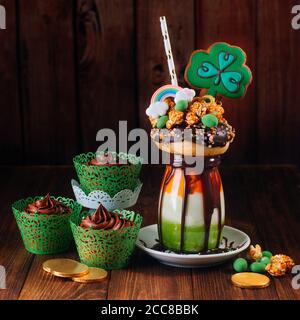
(240, 214)
(105, 63)
(278, 83)
(152, 65)
(262, 201)
(48, 81)
(13, 255)
(141, 279)
(40, 285)
(11, 116)
(234, 22)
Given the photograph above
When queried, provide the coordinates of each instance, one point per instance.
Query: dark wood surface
(71, 67)
(263, 201)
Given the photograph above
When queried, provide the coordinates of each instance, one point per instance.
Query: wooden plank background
(71, 67)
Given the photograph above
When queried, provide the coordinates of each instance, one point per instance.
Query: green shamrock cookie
(221, 69)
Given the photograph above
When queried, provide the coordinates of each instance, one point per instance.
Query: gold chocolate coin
(94, 275)
(65, 268)
(250, 280)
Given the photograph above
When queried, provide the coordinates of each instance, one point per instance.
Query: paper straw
(165, 34)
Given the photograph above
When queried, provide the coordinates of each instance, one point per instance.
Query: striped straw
(165, 34)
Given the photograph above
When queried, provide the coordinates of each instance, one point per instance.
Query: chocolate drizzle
(167, 177)
(211, 197)
(211, 188)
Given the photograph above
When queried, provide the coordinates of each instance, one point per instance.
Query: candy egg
(161, 122)
(267, 254)
(240, 265)
(257, 267)
(265, 260)
(181, 105)
(210, 120)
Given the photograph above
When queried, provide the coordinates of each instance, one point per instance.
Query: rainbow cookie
(167, 91)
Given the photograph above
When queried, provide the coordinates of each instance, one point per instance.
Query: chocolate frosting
(214, 137)
(106, 160)
(47, 205)
(102, 219)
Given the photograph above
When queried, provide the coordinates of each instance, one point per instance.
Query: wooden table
(262, 201)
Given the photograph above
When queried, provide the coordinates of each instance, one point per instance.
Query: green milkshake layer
(193, 237)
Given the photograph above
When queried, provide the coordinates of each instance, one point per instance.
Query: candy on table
(257, 267)
(240, 265)
(276, 265)
(267, 254)
(221, 69)
(265, 260)
(280, 264)
(255, 252)
(250, 280)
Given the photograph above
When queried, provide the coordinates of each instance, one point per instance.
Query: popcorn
(191, 118)
(185, 94)
(157, 109)
(197, 107)
(283, 258)
(276, 268)
(175, 118)
(217, 110)
(255, 252)
(153, 122)
(170, 102)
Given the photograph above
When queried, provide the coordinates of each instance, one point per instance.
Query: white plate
(148, 238)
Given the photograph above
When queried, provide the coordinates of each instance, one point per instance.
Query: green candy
(161, 122)
(265, 260)
(181, 105)
(240, 265)
(267, 254)
(210, 120)
(257, 267)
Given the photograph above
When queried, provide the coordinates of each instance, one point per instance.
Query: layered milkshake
(191, 211)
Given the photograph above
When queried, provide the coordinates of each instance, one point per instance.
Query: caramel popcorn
(175, 118)
(276, 268)
(195, 106)
(255, 252)
(284, 258)
(217, 110)
(153, 122)
(191, 118)
(170, 103)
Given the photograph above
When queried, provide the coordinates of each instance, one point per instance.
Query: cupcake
(44, 223)
(106, 239)
(108, 172)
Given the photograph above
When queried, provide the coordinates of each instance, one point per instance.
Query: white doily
(122, 200)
